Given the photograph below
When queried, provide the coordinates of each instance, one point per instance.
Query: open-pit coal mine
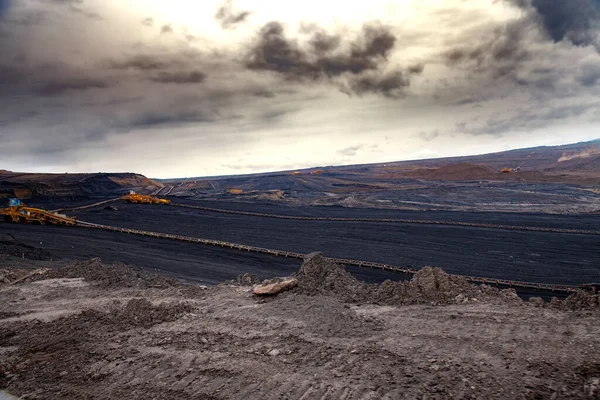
(495, 253)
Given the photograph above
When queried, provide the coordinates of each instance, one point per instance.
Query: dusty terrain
(92, 331)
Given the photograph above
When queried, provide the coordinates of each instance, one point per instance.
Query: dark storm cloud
(388, 85)
(4, 6)
(168, 67)
(179, 77)
(321, 42)
(499, 54)
(69, 85)
(228, 17)
(142, 62)
(274, 52)
(574, 20)
(163, 119)
(326, 57)
(509, 53)
(20, 78)
(267, 94)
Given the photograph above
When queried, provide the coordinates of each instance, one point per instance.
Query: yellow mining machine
(144, 199)
(20, 213)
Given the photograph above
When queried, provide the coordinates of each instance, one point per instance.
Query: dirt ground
(92, 331)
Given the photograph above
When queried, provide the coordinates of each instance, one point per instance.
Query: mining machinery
(144, 199)
(18, 212)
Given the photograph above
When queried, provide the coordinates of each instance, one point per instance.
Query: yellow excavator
(144, 199)
(18, 212)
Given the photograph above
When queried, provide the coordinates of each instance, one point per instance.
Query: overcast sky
(198, 87)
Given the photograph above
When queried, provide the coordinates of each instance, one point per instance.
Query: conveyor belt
(282, 253)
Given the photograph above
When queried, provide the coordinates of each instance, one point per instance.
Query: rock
(536, 301)
(592, 388)
(581, 300)
(274, 352)
(247, 280)
(461, 298)
(275, 288)
(555, 302)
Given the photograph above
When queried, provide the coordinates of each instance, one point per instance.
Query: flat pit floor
(518, 255)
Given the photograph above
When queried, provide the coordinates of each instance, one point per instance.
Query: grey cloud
(228, 17)
(499, 54)
(267, 94)
(68, 85)
(143, 62)
(530, 119)
(589, 74)
(389, 85)
(460, 126)
(351, 151)
(274, 52)
(4, 4)
(165, 118)
(166, 29)
(321, 42)
(148, 21)
(323, 60)
(75, 6)
(575, 20)
(179, 77)
(429, 136)
(176, 67)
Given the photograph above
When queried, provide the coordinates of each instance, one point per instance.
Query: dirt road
(90, 331)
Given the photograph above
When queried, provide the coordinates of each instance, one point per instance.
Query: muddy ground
(92, 331)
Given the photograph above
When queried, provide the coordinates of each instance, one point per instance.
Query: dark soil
(528, 256)
(117, 275)
(10, 246)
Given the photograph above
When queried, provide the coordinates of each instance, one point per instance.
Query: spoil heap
(319, 276)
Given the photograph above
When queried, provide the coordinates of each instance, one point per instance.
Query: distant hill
(584, 156)
(577, 164)
(72, 186)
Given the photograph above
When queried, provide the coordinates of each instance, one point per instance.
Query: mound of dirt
(322, 315)
(580, 300)
(110, 276)
(10, 246)
(320, 276)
